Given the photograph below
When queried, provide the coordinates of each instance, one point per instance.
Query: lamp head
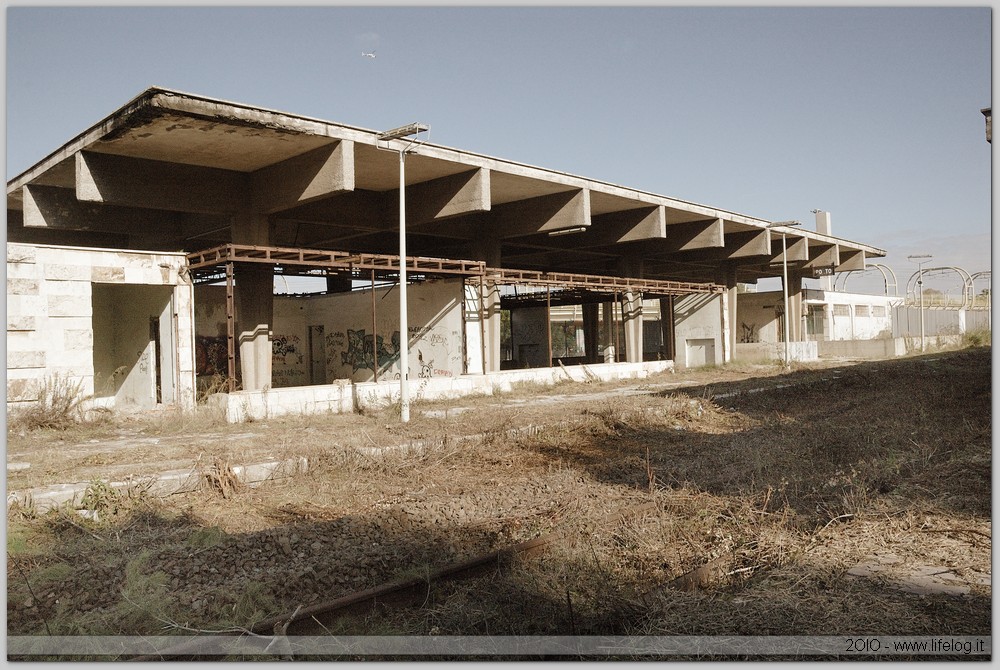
(402, 131)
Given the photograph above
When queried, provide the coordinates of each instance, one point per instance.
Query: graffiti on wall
(432, 353)
(287, 361)
(211, 356)
(362, 349)
(749, 334)
(284, 346)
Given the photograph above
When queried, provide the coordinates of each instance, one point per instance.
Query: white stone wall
(698, 333)
(846, 316)
(436, 337)
(50, 325)
(757, 317)
(435, 322)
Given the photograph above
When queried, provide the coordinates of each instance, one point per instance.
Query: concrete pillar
(824, 226)
(488, 250)
(795, 307)
(632, 317)
(631, 306)
(608, 336)
(667, 326)
(254, 293)
(730, 319)
(591, 331)
(254, 316)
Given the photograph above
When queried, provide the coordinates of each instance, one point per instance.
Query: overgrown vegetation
(735, 507)
(58, 406)
(978, 338)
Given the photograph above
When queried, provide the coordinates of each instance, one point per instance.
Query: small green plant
(145, 602)
(101, 497)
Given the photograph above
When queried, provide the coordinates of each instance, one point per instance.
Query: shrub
(57, 407)
(977, 338)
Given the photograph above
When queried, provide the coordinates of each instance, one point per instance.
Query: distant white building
(827, 315)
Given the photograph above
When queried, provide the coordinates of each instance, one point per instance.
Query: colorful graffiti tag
(361, 351)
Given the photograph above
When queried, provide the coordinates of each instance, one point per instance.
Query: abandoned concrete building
(142, 259)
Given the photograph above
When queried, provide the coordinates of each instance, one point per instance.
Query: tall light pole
(784, 280)
(404, 340)
(920, 259)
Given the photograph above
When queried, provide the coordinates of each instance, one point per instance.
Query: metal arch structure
(966, 301)
(988, 276)
(885, 270)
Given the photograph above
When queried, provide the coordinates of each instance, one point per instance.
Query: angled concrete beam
(822, 256)
(544, 214)
(749, 244)
(430, 205)
(58, 209)
(797, 248)
(446, 197)
(136, 182)
(737, 245)
(697, 235)
(851, 260)
(688, 237)
(634, 225)
(311, 176)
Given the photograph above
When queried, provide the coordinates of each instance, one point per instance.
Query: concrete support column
(730, 318)
(795, 316)
(254, 293)
(491, 326)
(632, 318)
(667, 326)
(591, 331)
(608, 338)
(631, 306)
(488, 250)
(254, 315)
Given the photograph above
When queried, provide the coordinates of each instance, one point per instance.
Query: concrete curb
(162, 484)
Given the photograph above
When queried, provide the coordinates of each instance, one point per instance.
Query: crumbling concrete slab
(918, 579)
(162, 484)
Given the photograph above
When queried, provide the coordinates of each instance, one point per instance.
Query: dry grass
(759, 503)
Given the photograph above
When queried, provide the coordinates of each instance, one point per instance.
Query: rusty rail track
(316, 619)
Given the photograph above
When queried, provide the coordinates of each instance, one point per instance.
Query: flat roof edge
(189, 103)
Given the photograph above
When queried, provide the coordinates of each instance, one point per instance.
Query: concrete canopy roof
(174, 171)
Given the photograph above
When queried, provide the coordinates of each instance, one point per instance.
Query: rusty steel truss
(217, 264)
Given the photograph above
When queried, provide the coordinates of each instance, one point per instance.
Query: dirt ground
(835, 499)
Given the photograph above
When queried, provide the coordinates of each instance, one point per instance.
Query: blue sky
(870, 114)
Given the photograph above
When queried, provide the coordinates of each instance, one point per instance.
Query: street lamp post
(784, 281)
(404, 343)
(920, 259)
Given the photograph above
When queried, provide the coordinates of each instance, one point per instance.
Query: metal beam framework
(209, 264)
(599, 283)
(217, 264)
(238, 253)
